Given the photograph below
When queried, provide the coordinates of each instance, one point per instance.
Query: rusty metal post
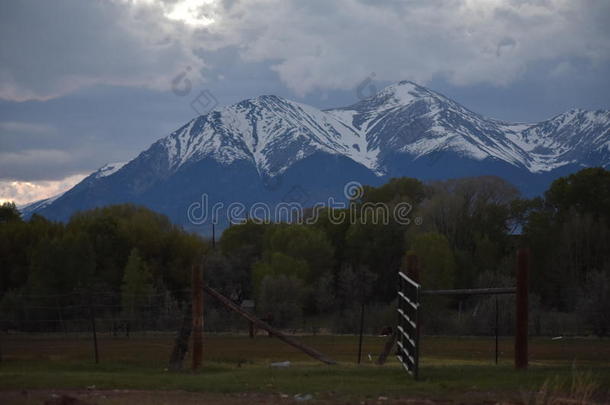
(197, 303)
(521, 353)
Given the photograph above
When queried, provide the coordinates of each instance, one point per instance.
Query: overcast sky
(86, 82)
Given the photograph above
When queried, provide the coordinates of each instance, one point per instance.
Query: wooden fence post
(181, 344)
(413, 268)
(521, 353)
(362, 289)
(93, 330)
(197, 316)
(497, 327)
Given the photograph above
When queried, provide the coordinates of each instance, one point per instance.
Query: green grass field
(451, 368)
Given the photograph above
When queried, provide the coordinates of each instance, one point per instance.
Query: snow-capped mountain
(107, 170)
(407, 118)
(271, 132)
(575, 137)
(263, 149)
(28, 209)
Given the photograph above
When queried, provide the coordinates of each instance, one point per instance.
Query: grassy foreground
(451, 368)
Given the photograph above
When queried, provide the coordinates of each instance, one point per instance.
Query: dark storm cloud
(88, 82)
(82, 131)
(50, 48)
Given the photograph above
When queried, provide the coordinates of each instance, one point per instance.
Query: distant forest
(469, 232)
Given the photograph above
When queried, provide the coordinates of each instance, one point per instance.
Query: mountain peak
(263, 100)
(403, 93)
(268, 98)
(395, 95)
(403, 129)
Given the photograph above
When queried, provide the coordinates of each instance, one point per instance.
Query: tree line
(465, 236)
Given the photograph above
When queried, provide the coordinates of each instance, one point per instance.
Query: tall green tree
(569, 234)
(436, 260)
(137, 284)
(302, 243)
(586, 191)
(9, 212)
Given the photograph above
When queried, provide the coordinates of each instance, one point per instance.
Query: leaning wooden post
(263, 325)
(197, 283)
(521, 309)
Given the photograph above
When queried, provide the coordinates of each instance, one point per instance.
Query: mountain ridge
(399, 131)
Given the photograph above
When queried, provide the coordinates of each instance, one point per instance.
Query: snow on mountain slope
(392, 132)
(273, 133)
(270, 131)
(408, 118)
(108, 169)
(29, 208)
(577, 136)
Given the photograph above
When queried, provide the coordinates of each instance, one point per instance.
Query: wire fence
(118, 314)
(76, 312)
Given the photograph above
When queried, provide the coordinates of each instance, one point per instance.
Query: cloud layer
(321, 44)
(86, 82)
(21, 192)
(50, 48)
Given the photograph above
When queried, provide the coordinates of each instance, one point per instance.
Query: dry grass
(582, 389)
